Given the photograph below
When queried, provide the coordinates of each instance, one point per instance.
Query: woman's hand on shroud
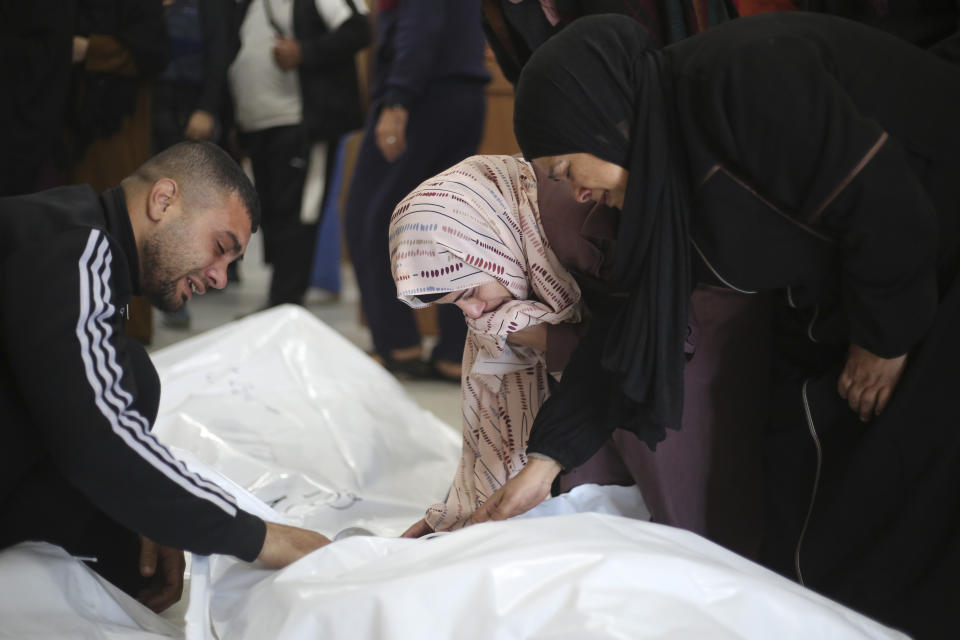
(417, 530)
(867, 381)
(523, 492)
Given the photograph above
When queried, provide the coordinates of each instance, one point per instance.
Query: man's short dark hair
(205, 173)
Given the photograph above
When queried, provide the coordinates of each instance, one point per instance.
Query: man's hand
(286, 52)
(417, 530)
(534, 336)
(284, 545)
(523, 492)
(200, 125)
(867, 381)
(80, 46)
(164, 566)
(391, 132)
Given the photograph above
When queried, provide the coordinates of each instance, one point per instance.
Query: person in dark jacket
(515, 28)
(813, 159)
(36, 41)
(118, 48)
(926, 23)
(79, 466)
(427, 112)
(295, 89)
(188, 95)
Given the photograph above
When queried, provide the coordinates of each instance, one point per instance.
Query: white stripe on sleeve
(104, 374)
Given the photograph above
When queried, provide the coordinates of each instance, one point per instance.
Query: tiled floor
(219, 307)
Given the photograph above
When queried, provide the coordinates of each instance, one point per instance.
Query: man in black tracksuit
(78, 465)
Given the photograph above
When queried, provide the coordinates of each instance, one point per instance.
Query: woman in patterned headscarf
(472, 236)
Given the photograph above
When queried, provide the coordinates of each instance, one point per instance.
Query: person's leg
(166, 123)
(450, 120)
(444, 128)
(325, 269)
(291, 270)
(279, 160)
(331, 173)
(375, 189)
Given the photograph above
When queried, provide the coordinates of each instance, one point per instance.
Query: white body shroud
(288, 410)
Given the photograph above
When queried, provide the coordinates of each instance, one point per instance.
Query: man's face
(188, 252)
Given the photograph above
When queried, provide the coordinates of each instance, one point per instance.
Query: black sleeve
(784, 120)
(337, 45)
(580, 414)
(948, 48)
(415, 42)
(93, 411)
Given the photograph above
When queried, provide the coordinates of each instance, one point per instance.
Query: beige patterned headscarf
(475, 222)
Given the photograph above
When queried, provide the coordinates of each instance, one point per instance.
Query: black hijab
(600, 87)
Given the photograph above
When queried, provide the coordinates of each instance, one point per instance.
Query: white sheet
(285, 407)
(575, 576)
(45, 594)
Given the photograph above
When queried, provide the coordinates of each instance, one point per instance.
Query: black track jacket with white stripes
(78, 395)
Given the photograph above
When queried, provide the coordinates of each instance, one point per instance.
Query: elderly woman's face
(478, 300)
(590, 177)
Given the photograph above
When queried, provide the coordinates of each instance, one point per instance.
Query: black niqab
(600, 87)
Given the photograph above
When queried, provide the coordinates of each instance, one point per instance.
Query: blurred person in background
(515, 28)
(296, 91)
(189, 94)
(427, 110)
(926, 23)
(119, 47)
(36, 45)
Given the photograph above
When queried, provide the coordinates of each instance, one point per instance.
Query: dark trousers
(280, 156)
(444, 127)
(44, 506)
(880, 530)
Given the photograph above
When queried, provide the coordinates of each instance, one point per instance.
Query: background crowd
(94, 87)
(379, 97)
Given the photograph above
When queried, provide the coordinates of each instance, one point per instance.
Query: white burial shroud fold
(306, 429)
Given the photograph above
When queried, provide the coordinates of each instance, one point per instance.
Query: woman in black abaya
(802, 157)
